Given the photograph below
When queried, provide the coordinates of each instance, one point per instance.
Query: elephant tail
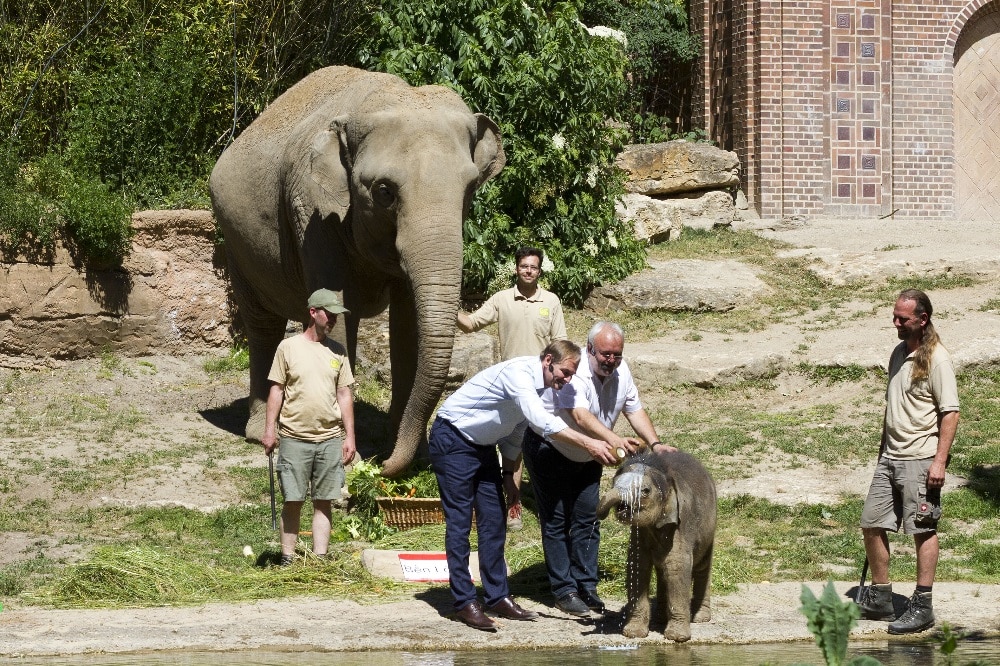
(610, 500)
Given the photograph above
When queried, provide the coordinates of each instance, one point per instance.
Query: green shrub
(661, 50)
(556, 93)
(44, 196)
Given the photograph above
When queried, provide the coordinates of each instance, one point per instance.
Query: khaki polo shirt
(526, 325)
(912, 410)
(310, 372)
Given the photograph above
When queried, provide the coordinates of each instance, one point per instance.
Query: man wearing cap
(310, 413)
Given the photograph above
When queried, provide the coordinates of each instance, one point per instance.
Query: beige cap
(324, 299)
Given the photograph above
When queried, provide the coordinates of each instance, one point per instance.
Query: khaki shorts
(898, 490)
(318, 466)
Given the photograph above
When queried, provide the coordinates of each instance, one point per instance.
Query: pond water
(773, 654)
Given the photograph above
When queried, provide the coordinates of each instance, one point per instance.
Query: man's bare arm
(345, 399)
(465, 322)
(947, 427)
(275, 396)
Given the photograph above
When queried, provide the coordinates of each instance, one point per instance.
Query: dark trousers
(469, 475)
(566, 493)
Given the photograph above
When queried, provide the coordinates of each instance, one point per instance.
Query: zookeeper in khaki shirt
(528, 318)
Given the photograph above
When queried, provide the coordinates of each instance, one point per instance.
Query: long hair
(929, 340)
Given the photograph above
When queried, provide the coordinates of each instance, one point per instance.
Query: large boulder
(168, 296)
(656, 169)
(659, 220)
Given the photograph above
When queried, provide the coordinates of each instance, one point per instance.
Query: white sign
(424, 567)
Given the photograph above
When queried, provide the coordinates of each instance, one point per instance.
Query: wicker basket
(407, 512)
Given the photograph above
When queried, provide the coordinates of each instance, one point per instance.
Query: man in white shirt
(463, 454)
(566, 478)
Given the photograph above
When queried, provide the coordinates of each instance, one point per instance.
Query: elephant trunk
(422, 329)
(610, 501)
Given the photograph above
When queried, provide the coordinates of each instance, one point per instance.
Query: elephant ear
(671, 507)
(326, 185)
(488, 153)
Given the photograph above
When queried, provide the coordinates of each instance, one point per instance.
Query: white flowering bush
(557, 93)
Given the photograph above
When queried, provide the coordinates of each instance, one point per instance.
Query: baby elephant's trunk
(610, 501)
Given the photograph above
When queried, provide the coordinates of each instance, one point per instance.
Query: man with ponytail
(921, 418)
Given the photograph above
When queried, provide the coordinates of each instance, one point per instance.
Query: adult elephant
(356, 182)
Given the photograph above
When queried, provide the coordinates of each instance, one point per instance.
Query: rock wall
(677, 184)
(168, 296)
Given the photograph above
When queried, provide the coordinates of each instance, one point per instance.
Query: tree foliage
(556, 93)
(133, 100)
(113, 105)
(661, 49)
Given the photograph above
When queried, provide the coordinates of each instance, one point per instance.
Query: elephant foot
(678, 634)
(255, 426)
(636, 629)
(703, 615)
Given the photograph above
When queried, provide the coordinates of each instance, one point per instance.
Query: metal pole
(861, 585)
(270, 478)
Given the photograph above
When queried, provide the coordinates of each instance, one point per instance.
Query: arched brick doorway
(977, 117)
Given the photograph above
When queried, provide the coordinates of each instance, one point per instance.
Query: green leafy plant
(366, 484)
(830, 620)
(661, 49)
(556, 93)
(131, 101)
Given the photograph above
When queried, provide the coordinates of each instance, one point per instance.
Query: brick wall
(836, 107)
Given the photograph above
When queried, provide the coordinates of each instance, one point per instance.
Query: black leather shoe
(507, 608)
(572, 603)
(593, 601)
(472, 615)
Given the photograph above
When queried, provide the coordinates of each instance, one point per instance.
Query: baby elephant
(669, 500)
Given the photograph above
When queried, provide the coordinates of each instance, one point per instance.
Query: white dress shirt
(495, 401)
(604, 399)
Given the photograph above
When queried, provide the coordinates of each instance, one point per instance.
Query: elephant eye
(646, 491)
(384, 194)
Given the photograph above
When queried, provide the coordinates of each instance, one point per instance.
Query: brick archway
(977, 105)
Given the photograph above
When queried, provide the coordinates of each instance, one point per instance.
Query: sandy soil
(760, 613)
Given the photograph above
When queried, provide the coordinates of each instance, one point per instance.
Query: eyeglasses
(529, 269)
(608, 356)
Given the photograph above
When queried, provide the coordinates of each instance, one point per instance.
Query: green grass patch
(990, 305)
(135, 576)
(114, 423)
(237, 360)
(17, 577)
(833, 374)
